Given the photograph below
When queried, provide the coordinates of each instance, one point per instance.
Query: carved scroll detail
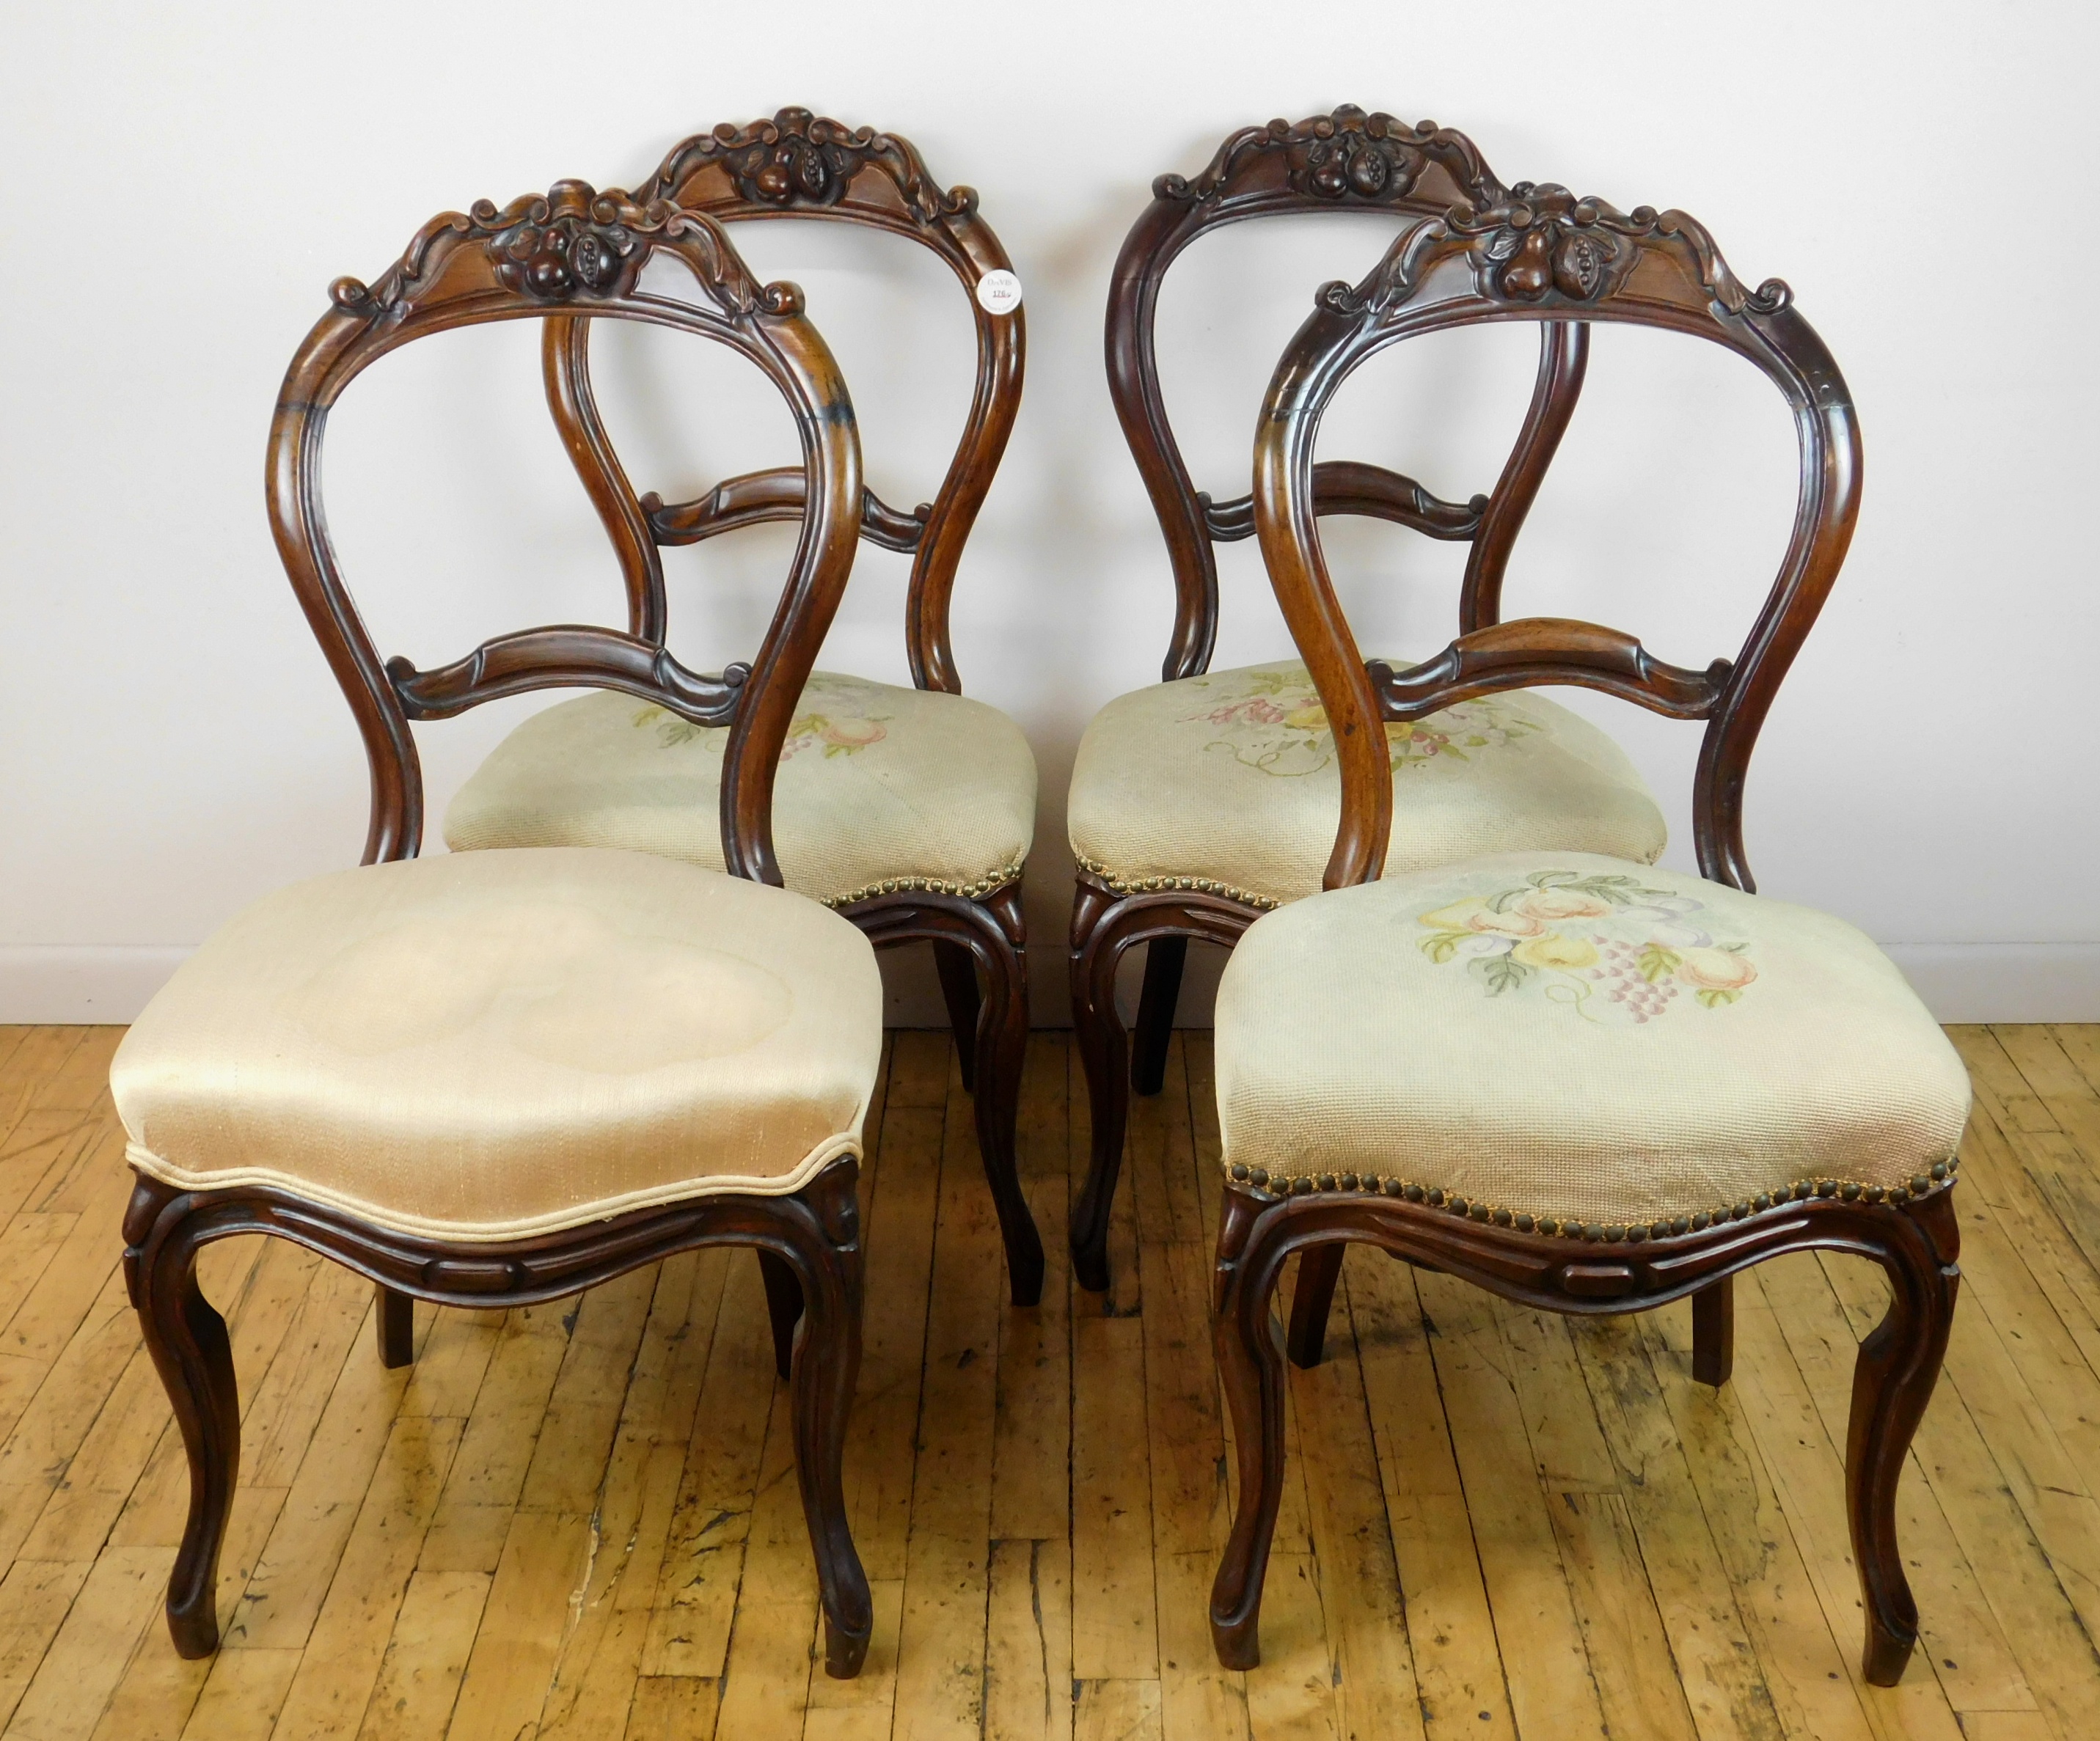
(571, 243)
(1541, 243)
(799, 159)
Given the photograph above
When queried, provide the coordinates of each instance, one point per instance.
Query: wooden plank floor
(580, 1520)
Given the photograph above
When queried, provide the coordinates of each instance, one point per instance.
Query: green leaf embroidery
(1714, 999)
(1655, 961)
(1498, 973)
(1439, 946)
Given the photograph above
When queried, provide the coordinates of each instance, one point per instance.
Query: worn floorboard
(580, 1520)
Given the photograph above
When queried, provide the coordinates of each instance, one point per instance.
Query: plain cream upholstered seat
(1580, 1038)
(1228, 781)
(879, 788)
(494, 1045)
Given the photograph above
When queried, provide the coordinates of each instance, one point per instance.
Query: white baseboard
(1959, 982)
(2004, 981)
(81, 982)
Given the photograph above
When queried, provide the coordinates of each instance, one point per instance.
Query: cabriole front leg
(188, 1341)
(1250, 1367)
(1892, 1380)
(824, 1255)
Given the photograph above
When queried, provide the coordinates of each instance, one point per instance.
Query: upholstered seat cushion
(878, 787)
(1230, 780)
(491, 1045)
(1579, 1037)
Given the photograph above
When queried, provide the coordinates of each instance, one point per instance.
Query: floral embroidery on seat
(1617, 950)
(1280, 728)
(840, 734)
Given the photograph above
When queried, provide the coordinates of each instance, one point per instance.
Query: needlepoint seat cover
(1575, 1036)
(879, 788)
(1229, 779)
(497, 1045)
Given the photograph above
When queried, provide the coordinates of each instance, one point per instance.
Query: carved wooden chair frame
(549, 257)
(1539, 254)
(799, 165)
(1348, 161)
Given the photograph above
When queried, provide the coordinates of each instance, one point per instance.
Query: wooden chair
(491, 1079)
(1586, 1085)
(1200, 804)
(909, 810)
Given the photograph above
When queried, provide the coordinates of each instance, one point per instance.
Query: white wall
(185, 181)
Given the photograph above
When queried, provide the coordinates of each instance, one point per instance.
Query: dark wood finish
(1912, 1235)
(799, 164)
(1713, 1333)
(991, 932)
(959, 991)
(1539, 253)
(551, 258)
(809, 1238)
(1345, 161)
(1164, 959)
(394, 1316)
(556, 255)
(1104, 925)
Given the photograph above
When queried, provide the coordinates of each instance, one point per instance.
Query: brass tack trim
(930, 885)
(1938, 1177)
(1153, 885)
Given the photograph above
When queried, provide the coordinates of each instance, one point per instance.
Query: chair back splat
(799, 165)
(1537, 253)
(569, 257)
(1346, 161)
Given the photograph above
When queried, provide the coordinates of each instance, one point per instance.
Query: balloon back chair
(486, 1079)
(1582, 1084)
(910, 811)
(1200, 804)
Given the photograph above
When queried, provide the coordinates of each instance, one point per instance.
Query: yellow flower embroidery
(1617, 951)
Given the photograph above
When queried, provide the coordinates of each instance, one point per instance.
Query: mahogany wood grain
(1348, 161)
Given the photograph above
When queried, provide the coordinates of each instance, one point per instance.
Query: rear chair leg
(1713, 1333)
(396, 1319)
(1164, 959)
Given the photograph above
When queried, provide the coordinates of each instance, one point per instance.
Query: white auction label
(999, 293)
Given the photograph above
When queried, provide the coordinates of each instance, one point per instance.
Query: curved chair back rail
(799, 165)
(565, 257)
(1539, 253)
(1346, 161)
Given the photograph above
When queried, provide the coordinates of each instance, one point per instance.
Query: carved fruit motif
(1553, 242)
